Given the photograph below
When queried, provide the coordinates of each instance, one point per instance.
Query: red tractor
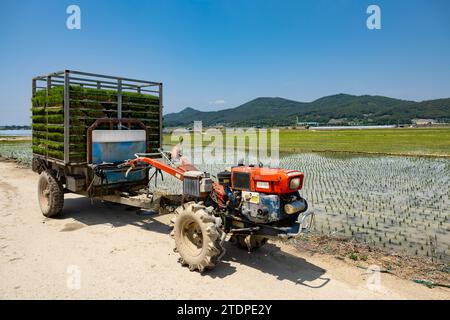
(249, 203)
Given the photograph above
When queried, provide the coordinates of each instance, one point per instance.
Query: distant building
(423, 122)
(307, 124)
(338, 121)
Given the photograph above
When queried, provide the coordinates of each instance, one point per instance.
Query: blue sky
(218, 54)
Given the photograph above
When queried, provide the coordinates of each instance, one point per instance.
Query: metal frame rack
(67, 78)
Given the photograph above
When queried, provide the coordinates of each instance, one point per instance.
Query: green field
(18, 149)
(389, 141)
(403, 141)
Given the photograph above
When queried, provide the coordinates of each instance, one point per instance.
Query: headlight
(294, 184)
(262, 185)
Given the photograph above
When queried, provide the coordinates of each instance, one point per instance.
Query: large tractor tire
(198, 237)
(50, 194)
(248, 242)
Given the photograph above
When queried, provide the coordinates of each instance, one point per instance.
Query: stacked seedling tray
(67, 95)
(48, 123)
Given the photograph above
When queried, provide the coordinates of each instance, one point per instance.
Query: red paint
(278, 179)
(176, 172)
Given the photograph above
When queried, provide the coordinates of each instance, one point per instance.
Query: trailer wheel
(248, 242)
(50, 194)
(197, 237)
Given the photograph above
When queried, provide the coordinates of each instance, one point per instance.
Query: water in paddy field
(386, 201)
(392, 202)
(16, 133)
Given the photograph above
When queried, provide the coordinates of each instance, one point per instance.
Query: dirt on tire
(50, 194)
(197, 236)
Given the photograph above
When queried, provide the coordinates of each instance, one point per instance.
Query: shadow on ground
(116, 215)
(268, 259)
(272, 260)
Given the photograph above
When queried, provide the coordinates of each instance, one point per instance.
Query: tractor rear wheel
(197, 237)
(50, 194)
(248, 242)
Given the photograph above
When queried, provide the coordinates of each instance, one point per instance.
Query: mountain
(339, 108)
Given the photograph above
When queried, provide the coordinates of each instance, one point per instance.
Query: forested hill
(335, 109)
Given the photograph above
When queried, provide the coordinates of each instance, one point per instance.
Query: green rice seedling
(53, 145)
(39, 119)
(54, 97)
(53, 101)
(53, 119)
(37, 102)
(55, 110)
(49, 144)
(78, 147)
(75, 104)
(140, 98)
(35, 111)
(55, 128)
(94, 113)
(39, 134)
(56, 154)
(77, 138)
(135, 107)
(56, 136)
(77, 156)
(92, 105)
(38, 149)
(75, 112)
(38, 127)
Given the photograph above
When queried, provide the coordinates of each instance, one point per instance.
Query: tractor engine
(262, 195)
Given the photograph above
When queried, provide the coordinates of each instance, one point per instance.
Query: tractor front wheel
(50, 194)
(198, 237)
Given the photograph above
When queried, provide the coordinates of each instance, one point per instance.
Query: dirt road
(103, 250)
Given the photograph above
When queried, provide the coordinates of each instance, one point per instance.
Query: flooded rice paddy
(393, 202)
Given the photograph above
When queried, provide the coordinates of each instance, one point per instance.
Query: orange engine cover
(267, 180)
